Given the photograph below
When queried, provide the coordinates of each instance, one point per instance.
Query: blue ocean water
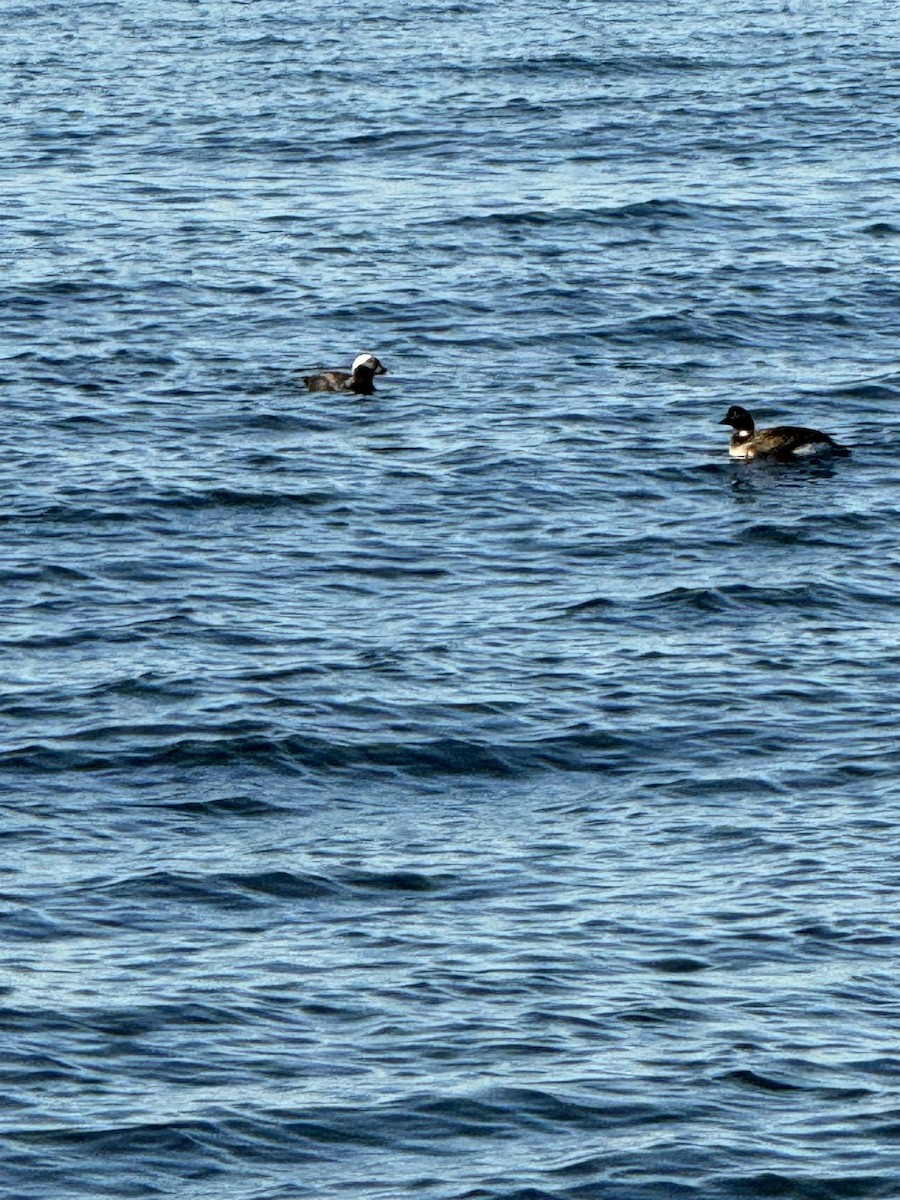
(487, 790)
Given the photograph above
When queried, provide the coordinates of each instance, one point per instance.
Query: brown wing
(327, 381)
(784, 440)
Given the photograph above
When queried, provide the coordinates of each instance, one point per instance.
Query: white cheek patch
(361, 360)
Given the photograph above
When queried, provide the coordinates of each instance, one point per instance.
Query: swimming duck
(784, 443)
(359, 379)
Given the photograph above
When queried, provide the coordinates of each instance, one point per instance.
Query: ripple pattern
(485, 790)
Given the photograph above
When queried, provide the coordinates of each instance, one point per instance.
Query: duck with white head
(359, 379)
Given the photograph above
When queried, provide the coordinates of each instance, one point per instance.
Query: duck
(783, 443)
(359, 379)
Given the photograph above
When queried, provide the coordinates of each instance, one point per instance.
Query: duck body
(782, 443)
(359, 379)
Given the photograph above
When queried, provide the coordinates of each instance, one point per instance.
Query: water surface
(487, 790)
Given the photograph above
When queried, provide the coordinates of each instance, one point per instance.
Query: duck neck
(361, 381)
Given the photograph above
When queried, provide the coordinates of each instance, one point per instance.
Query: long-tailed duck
(784, 443)
(359, 379)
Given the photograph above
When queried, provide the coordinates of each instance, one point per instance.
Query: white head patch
(362, 360)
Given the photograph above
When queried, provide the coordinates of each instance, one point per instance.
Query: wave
(653, 213)
(87, 507)
(731, 599)
(251, 889)
(219, 889)
(225, 497)
(622, 65)
(296, 753)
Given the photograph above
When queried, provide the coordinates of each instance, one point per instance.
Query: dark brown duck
(783, 443)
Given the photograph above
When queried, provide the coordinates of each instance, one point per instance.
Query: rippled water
(487, 790)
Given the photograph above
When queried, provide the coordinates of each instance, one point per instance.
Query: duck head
(739, 419)
(367, 364)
